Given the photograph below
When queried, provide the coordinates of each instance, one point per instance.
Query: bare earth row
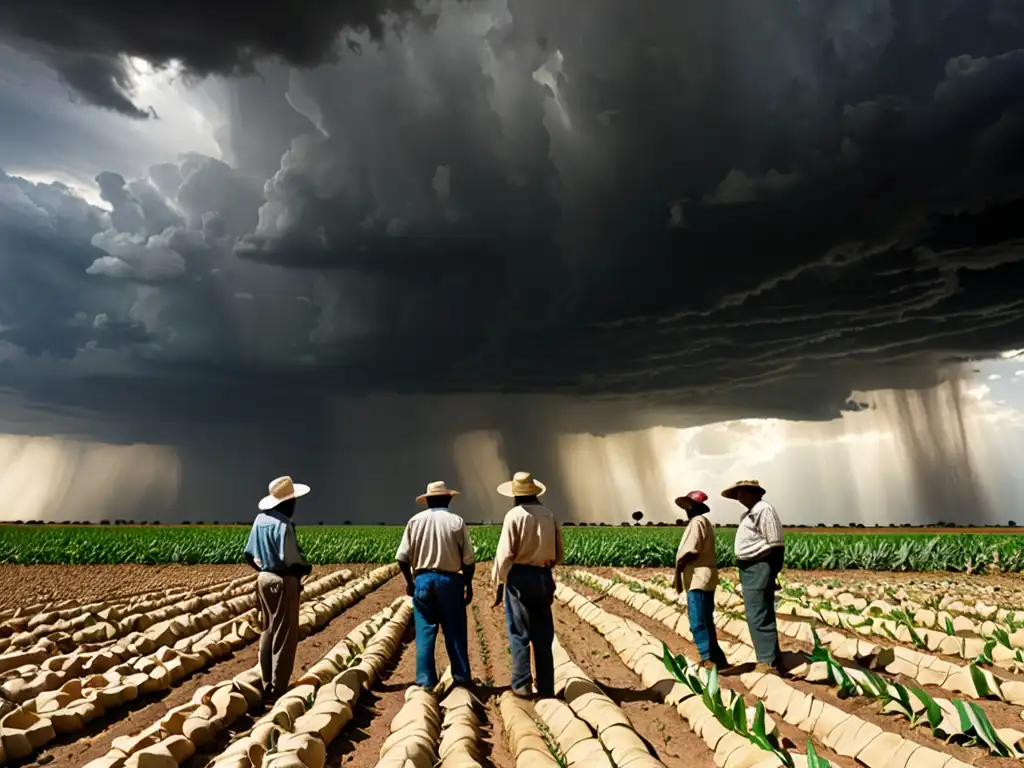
(379, 714)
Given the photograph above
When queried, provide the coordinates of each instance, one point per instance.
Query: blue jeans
(439, 600)
(529, 594)
(700, 606)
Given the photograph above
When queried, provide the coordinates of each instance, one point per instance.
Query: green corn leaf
(949, 627)
(932, 710)
(672, 664)
(981, 682)
(739, 716)
(974, 722)
(814, 760)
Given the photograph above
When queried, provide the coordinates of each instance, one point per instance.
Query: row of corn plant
(970, 727)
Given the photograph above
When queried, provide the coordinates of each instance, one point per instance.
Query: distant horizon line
(817, 527)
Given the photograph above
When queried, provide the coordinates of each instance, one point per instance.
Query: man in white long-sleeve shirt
(759, 555)
(529, 547)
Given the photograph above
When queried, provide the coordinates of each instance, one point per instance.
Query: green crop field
(640, 547)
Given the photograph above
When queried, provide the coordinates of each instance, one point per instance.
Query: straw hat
(436, 488)
(282, 489)
(522, 484)
(695, 502)
(751, 485)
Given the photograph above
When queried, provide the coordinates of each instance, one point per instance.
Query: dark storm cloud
(740, 208)
(85, 43)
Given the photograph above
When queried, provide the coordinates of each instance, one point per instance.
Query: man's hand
(408, 588)
(499, 596)
(469, 594)
(677, 584)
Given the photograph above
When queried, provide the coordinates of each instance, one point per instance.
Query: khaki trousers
(279, 607)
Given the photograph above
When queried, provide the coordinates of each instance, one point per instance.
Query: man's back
(529, 536)
(272, 542)
(436, 539)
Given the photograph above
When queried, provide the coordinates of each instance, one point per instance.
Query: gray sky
(221, 233)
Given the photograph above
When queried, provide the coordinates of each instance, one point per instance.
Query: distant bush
(1012, 524)
(624, 525)
(680, 521)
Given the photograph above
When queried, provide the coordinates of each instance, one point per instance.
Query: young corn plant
(814, 760)
(732, 716)
(975, 729)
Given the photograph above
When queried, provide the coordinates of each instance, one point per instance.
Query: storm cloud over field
(556, 217)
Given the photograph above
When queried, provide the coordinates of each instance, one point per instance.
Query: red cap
(699, 496)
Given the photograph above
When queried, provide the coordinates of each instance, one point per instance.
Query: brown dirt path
(489, 659)
(79, 749)
(22, 585)
(657, 723)
(358, 746)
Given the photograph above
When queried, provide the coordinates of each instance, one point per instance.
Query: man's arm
(404, 559)
(295, 563)
(689, 546)
(250, 550)
(559, 546)
(468, 562)
(406, 570)
(503, 559)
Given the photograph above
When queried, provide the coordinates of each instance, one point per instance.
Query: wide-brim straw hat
(695, 503)
(282, 489)
(750, 485)
(436, 488)
(522, 484)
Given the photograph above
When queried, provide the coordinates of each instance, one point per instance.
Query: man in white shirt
(529, 547)
(436, 558)
(760, 552)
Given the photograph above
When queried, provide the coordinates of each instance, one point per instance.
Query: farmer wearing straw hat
(436, 558)
(697, 575)
(273, 550)
(529, 547)
(759, 554)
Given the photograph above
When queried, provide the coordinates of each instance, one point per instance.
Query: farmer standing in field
(273, 550)
(436, 558)
(529, 547)
(697, 575)
(759, 555)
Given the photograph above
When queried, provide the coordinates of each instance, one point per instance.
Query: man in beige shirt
(697, 575)
(436, 558)
(529, 547)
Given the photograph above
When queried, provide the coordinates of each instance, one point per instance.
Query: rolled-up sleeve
(770, 526)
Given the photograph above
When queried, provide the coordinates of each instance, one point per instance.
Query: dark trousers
(438, 600)
(758, 580)
(529, 594)
(700, 607)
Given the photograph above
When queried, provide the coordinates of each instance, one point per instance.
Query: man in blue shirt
(273, 550)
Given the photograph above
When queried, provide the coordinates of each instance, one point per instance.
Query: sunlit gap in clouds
(57, 479)
(942, 454)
